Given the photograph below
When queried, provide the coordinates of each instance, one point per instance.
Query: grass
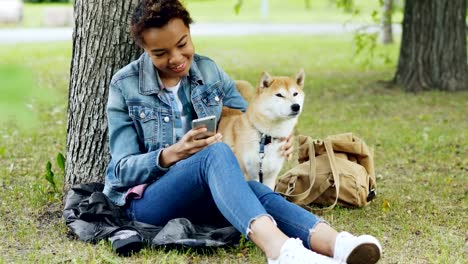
(319, 11)
(33, 14)
(420, 214)
(292, 11)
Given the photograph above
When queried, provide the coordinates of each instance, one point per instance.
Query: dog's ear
(265, 80)
(300, 76)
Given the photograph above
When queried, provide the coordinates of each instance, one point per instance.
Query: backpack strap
(334, 169)
(298, 198)
(335, 174)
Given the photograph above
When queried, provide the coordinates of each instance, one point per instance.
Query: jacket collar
(194, 73)
(150, 82)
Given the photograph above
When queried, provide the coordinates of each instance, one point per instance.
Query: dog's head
(281, 97)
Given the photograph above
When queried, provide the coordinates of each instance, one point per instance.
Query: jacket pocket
(145, 119)
(213, 95)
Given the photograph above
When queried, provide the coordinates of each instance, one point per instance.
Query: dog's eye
(295, 94)
(279, 95)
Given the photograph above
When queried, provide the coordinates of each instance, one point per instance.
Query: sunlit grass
(420, 214)
(279, 11)
(28, 81)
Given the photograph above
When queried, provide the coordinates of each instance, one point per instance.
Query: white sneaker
(293, 252)
(351, 249)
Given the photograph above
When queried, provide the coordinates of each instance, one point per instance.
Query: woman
(158, 170)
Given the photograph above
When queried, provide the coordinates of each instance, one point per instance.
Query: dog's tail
(245, 89)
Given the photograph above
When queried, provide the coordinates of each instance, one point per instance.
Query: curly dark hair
(156, 13)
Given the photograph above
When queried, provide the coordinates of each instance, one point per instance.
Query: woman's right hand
(186, 147)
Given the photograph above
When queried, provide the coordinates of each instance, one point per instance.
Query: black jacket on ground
(92, 216)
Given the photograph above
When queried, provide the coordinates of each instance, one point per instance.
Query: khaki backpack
(337, 170)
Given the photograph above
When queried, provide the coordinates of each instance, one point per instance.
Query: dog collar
(265, 140)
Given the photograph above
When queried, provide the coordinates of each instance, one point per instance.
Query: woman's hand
(288, 147)
(186, 147)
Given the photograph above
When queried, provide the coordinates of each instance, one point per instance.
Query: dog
(256, 136)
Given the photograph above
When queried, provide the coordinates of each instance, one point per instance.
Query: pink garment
(136, 192)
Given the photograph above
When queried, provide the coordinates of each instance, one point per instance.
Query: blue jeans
(209, 188)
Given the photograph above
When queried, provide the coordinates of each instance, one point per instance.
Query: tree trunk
(433, 47)
(387, 12)
(101, 46)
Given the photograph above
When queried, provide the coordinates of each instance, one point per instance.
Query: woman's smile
(179, 68)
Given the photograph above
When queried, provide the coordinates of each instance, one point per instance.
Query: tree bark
(433, 47)
(101, 46)
(387, 12)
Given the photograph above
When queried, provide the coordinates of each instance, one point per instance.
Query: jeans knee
(218, 160)
(219, 150)
(219, 146)
(218, 155)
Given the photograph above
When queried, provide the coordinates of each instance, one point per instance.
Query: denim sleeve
(232, 98)
(131, 166)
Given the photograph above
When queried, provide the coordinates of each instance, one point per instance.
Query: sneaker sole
(368, 252)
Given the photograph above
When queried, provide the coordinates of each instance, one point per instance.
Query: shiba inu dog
(256, 136)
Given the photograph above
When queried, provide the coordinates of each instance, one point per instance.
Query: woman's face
(171, 50)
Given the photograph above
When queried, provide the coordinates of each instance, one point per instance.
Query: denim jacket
(140, 118)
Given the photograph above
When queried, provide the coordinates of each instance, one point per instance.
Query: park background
(419, 139)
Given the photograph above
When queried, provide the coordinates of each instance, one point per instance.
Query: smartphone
(209, 122)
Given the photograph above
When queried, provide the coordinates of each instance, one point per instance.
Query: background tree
(101, 46)
(433, 46)
(387, 12)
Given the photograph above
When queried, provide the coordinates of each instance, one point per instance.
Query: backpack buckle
(371, 195)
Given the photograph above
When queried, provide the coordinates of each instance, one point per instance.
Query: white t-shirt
(179, 132)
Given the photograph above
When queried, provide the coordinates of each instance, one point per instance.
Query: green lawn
(420, 214)
(33, 14)
(280, 11)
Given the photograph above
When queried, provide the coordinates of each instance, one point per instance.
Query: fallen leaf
(385, 205)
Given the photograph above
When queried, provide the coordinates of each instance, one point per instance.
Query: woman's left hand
(288, 147)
